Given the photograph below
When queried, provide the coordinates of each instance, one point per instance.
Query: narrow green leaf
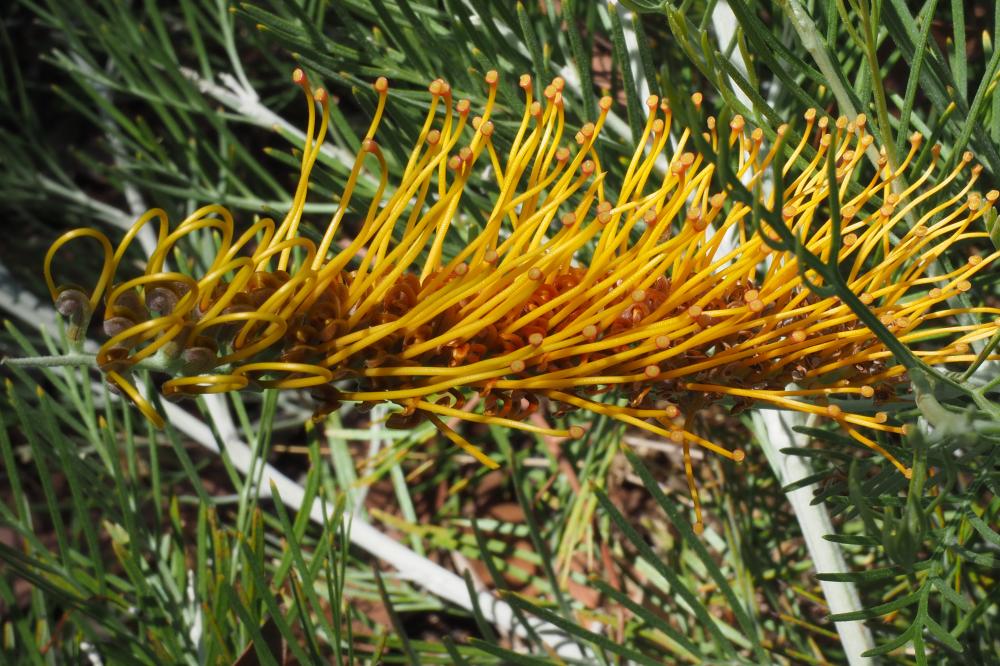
(959, 59)
(653, 620)
(984, 530)
(258, 643)
(265, 594)
(531, 40)
(477, 612)
(995, 124)
(913, 78)
(39, 456)
(394, 618)
(676, 585)
(940, 633)
(453, 652)
(879, 610)
(509, 656)
(889, 646)
(749, 627)
(867, 576)
(621, 57)
(71, 465)
(576, 630)
(581, 58)
(645, 54)
(951, 595)
(499, 583)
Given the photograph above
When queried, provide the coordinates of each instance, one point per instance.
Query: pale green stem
(51, 361)
(812, 41)
(158, 363)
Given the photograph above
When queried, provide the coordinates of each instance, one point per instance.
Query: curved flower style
(662, 295)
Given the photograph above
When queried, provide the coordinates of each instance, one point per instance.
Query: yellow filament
(463, 443)
(144, 406)
(200, 384)
(107, 270)
(315, 375)
(139, 333)
(451, 412)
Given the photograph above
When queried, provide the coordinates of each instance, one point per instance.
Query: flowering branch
(570, 292)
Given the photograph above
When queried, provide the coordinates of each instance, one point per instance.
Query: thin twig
(773, 430)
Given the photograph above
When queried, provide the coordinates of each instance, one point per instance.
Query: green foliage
(934, 541)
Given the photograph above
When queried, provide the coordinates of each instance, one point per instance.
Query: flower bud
(74, 305)
(198, 359)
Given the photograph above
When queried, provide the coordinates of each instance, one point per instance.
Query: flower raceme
(646, 305)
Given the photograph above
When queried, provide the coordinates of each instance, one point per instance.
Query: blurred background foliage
(119, 544)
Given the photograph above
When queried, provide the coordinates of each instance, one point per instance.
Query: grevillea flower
(645, 305)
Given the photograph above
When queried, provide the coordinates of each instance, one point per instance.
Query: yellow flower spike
(378, 283)
(809, 177)
(657, 145)
(394, 208)
(491, 79)
(280, 248)
(875, 446)
(300, 79)
(569, 291)
(534, 190)
(560, 125)
(450, 204)
(486, 130)
(548, 123)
